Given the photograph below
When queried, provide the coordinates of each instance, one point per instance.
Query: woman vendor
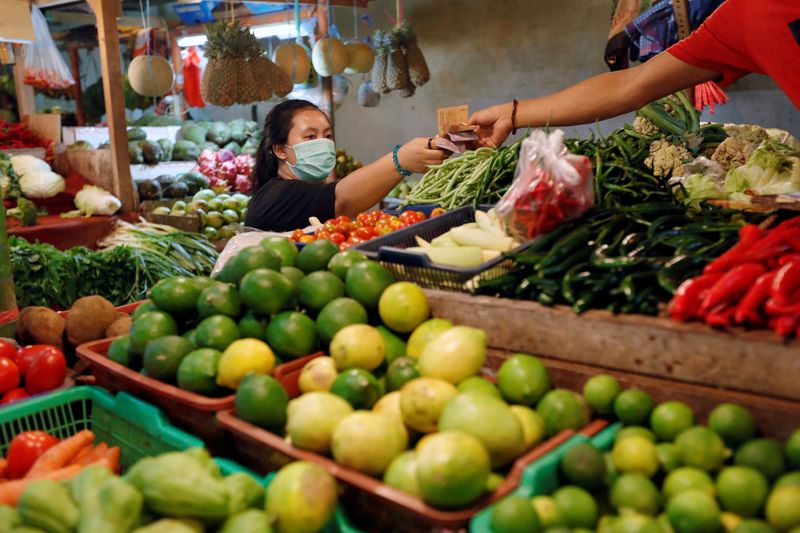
(295, 159)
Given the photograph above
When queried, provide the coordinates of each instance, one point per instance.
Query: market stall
(564, 331)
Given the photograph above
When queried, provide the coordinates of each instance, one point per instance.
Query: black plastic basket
(390, 251)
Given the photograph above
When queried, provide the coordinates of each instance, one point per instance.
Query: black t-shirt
(284, 205)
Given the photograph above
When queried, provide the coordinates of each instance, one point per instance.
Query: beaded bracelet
(403, 172)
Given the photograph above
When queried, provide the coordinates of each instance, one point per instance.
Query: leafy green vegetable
(773, 168)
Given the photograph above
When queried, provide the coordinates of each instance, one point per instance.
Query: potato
(121, 326)
(88, 319)
(40, 325)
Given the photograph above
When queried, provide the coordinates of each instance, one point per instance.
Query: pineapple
(379, 68)
(417, 66)
(397, 67)
(229, 48)
(281, 81)
(264, 79)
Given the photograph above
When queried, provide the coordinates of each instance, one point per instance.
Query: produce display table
(757, 362)
(65, 233)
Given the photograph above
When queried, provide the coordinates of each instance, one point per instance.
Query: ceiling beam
(254, 20)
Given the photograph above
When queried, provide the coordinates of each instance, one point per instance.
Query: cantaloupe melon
(360, 57)
(293, 57)
(329, 57)
(150, 75)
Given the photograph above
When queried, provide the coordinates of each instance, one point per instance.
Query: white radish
(481, 239)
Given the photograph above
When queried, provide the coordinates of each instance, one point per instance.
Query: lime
(403, 306)
(668, 456)
(315, 256)
(600, 392)
(145, 307)
(339, 313)
(685, 478)
(668, 419)
(742, 490)
(291, 334)
(765, 455)
(612, 474)
(265, 291)
(358, 346)
(693, 511)
(219, 299)
(150, 326)
(533, 428)
(452, 469)
(733, 423)
(368, 441)
(583, 465)
(515, 514)
(729, 520)
(163, 356)
(341, 262)
(633, 523)
(283, 247)
(191, 336)
(400, 371)
(395, 346)
(424, 333)
(636, 491)
(793, 448)
(783, 508)
(638, 431)
(197, 371)
(702, 448)
(549, 515)
(633, 407)
(422, 401)
(317, 375)
(242, 357)
(358, 387)
(523, 379)
(454, 355)
(312, 417)
(175, 295)
(247, 260)
(217, 332)
(792, 478)
(120, 352)
(402, 473)
(294, 275)
(318, 289)
(301, 497)
(366, 281)
(479, 384)
(253, 326)
(751, 525)
(563, 409)
(576, 506)
(262, 400)
(635, 454)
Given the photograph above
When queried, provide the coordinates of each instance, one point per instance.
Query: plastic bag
(551, 186)
(44, 67)
(250, 237)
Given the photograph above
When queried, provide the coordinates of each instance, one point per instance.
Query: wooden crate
(757, 362)
(188, 223)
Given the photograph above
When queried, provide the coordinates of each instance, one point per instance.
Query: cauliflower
(734, 152)
(773, 168)
(667, 159)
(645, 127)
(746, 132)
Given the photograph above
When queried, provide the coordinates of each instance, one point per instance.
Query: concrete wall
(483, 52)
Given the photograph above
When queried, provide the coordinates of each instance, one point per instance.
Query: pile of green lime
(666, 473)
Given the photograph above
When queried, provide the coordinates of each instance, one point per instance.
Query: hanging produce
(418, 70)
(397, 66)
(44, 67)
(329, 56)
(151, 75)
(367, 96)
(381, 60)
(399, 63)
(360, 57)
(192, 79)
(282, 82)
(293, 58)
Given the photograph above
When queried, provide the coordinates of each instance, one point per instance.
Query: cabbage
(23, 164)
(697, 188)
(92, 200)
(773, 168)
(39, 184)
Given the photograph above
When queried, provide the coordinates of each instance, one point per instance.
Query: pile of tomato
(29, 370)
(346, 232)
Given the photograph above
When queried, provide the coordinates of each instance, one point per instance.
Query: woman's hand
(417, 157)
(494, 125)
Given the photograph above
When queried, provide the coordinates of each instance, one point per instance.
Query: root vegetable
(119, 327)
(40, 325)
(88, 319)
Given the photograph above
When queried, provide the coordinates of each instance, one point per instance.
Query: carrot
(96, 453)
(82, 454)
(60, 454)
(113, 458)
(3, 464)
(10, 491)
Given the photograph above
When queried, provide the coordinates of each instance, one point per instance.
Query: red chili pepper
(786, 325)
(749, 308)
(721, 316)
(731, 286)
(774, 308)
(777, 243)
(786, 283)
(749, 234)
(787, 258)
(689, 295)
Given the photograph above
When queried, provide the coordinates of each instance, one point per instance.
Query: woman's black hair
(277, 125)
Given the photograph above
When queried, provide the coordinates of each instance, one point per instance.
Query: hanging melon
(293, 57)
(360, 57)
(329, 57)
(150, 75)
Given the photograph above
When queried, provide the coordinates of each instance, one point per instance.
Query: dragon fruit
(226, 170)
(243, 183)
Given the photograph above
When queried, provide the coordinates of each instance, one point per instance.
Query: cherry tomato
(353, 240)
(337, 237)
(345, 227)
(438, 212)
(409, 217)
(46, 372)
(343, 219)
(420, 215)
(363, 219)
(344, 246)
(297, 235)
(14, 395)
(398, 224)
(365, 234)
(25, 449)
(8, 349)
(307, 239)
(324, 234)
(9, 375)
(28, 354)
(330, 226)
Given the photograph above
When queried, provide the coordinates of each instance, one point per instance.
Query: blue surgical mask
(315, 159)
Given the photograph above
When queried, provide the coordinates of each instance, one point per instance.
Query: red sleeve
(718, 44)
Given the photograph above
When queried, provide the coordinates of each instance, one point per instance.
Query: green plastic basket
(541, 477)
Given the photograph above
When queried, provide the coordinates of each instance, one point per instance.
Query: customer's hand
(494, 125)
(417, 157)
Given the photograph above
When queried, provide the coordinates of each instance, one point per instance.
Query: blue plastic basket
(196, 12)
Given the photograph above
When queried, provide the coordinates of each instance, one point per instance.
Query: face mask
(315, 159)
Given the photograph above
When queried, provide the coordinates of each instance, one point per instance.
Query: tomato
(46, 372)
(438, 212)
(344, 246)
(297, 235)
(337, 237)
(365, 234)
(324, 234)
(343, 219)
(25, 449)
(420, 215)
(14, 395)
(330, 226)
(353, 240)
(409, 217)
(374, 217)
(8, 349)
(398, 224)
(345, 227)
(363, 218)
(9, 375)
(307, 238)
(28, 354)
